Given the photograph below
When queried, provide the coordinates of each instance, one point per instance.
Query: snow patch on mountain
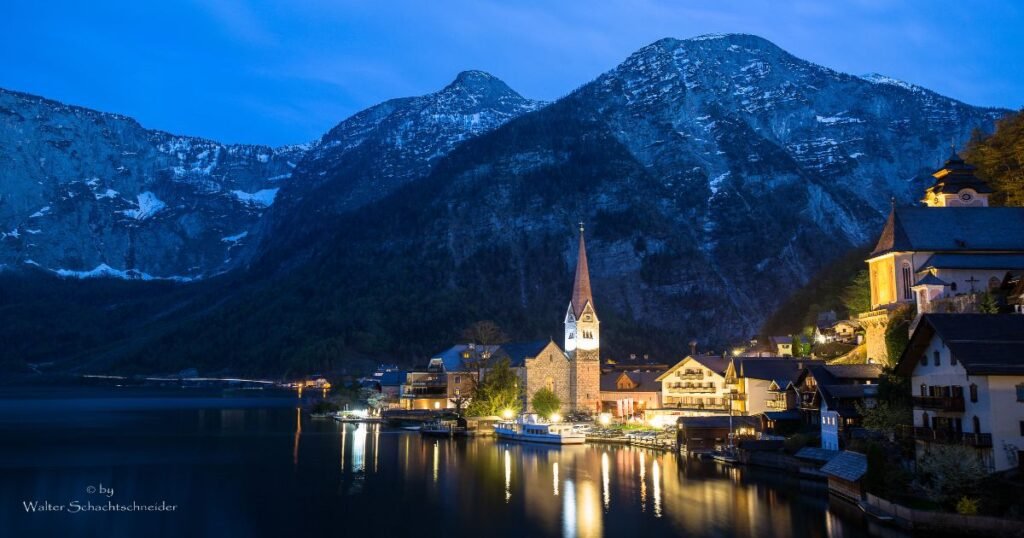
(147, 206)
(105, 271)
(262, 198)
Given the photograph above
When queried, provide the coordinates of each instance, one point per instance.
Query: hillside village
(935, 367)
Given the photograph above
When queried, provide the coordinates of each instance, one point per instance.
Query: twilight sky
(285, 72)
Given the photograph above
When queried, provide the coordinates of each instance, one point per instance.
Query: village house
(761, 384)
(832, 396)
(781, 345)
(942, 257)
(695, 386)
(628, 394)
(967, 378)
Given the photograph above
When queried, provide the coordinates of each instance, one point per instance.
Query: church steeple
(957, 186)
(581, 294)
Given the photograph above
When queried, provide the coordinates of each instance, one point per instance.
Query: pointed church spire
(581, 284)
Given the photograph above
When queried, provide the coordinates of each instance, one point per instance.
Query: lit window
(907, 282)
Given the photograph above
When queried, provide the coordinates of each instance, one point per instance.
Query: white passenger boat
(532, 429)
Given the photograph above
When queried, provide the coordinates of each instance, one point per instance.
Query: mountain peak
(479, 83)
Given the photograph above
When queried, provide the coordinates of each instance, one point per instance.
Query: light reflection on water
(260, 467)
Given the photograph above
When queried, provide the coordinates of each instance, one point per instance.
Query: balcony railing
(941, 403)
(691, 375)
(977, 440)
(777, 404)
(420, 392)
(697, 406)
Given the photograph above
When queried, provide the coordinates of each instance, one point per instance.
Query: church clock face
(965, 196)
(586, 318)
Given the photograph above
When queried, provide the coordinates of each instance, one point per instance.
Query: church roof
(581, 294)
(518, 352)
(453, 359)
(952, 229)
(931, 280)
(955, 175)
(974, 261)
(985, 344)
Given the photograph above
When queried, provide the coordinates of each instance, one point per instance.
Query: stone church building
(944, 256)
(572, 372)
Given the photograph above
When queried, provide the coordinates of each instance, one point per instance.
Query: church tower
(957, 186)
(583, 339)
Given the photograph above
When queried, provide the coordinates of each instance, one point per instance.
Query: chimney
(693, 347)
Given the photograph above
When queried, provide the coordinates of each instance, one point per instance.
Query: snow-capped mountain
(86, 193)
(369, 155)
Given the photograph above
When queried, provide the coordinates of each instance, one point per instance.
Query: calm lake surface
(254, 466)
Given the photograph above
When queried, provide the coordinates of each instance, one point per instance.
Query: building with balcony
(967, 379)
(693, 387)
(832, 397)
(761, 384)
(928, 256)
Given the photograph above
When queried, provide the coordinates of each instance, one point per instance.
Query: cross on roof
(972, 280)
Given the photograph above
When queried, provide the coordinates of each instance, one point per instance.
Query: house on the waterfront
(845, 473)
(944, 256)
(762, 383)
(628, 394)
(832, 396)
(967, 378)
(704, 434)
(695, 386)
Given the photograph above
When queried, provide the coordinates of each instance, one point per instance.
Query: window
(974, 392)
(1022, 427)
(924, 420)
(907, 281)
(924, 359)
(952, 286)
(1020, 392)
(977, 424)
(924, 389)
(935, 358)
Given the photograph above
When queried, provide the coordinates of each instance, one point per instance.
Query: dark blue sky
(285, 72)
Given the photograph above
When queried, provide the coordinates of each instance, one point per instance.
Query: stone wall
(549, 369)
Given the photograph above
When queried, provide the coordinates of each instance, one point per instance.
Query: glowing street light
(507, 414)
(555, 417)
(605, 419)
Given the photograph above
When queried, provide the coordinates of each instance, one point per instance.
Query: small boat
(320, 416)
(724, 456)
(530, 428)
(443, 428)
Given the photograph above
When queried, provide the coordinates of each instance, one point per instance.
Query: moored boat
(531, 429)
(443, 428)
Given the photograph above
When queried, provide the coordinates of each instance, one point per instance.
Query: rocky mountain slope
(715, 175)
(369, 155)
(86, 193)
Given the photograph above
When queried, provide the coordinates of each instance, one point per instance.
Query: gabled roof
(644, 381)
(956, 175)
(849, 466)
(816, 454)
(581, 294)
(714, 363)
(931, 280)
(781, 371)
(518, 352)
(1005, 262)
(952, 229)
(452, 358)
(985, 344)
(854, 371)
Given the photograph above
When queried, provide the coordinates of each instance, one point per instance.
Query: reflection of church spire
(581, 284)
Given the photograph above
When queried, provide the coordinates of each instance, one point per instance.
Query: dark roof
(854, 371)
(781, 339)
(816, 454)
(790, 414)
(931, 280)
(452, 357)
(715, 363)
(974, 261)
(645, 381)
(955, 175)
(392, 378)
(849, 466)
(849, 391)
(719, 422)
(952, 229)
(985, 344)
(781, 371)
(518, 352)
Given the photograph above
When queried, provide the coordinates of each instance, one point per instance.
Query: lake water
(235, 466)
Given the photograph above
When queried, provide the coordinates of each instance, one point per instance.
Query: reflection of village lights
(605, 418)
(344, 431)
(507, 414)
(298, 432)
(656, 480)
(554, 479)
(569, 509)
(508, 476)
(606, 493)
(555, 417)
(437, 459)
(643, 483)
(359, 448)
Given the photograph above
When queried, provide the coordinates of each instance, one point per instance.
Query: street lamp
(507, 414)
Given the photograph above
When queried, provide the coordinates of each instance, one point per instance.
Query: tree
(988, 304)
(484, 332)
(497, 392)
(897, 333)
(857, 294)
(459, 401)
(1000, 160)
(950, 473)
(545, 402)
